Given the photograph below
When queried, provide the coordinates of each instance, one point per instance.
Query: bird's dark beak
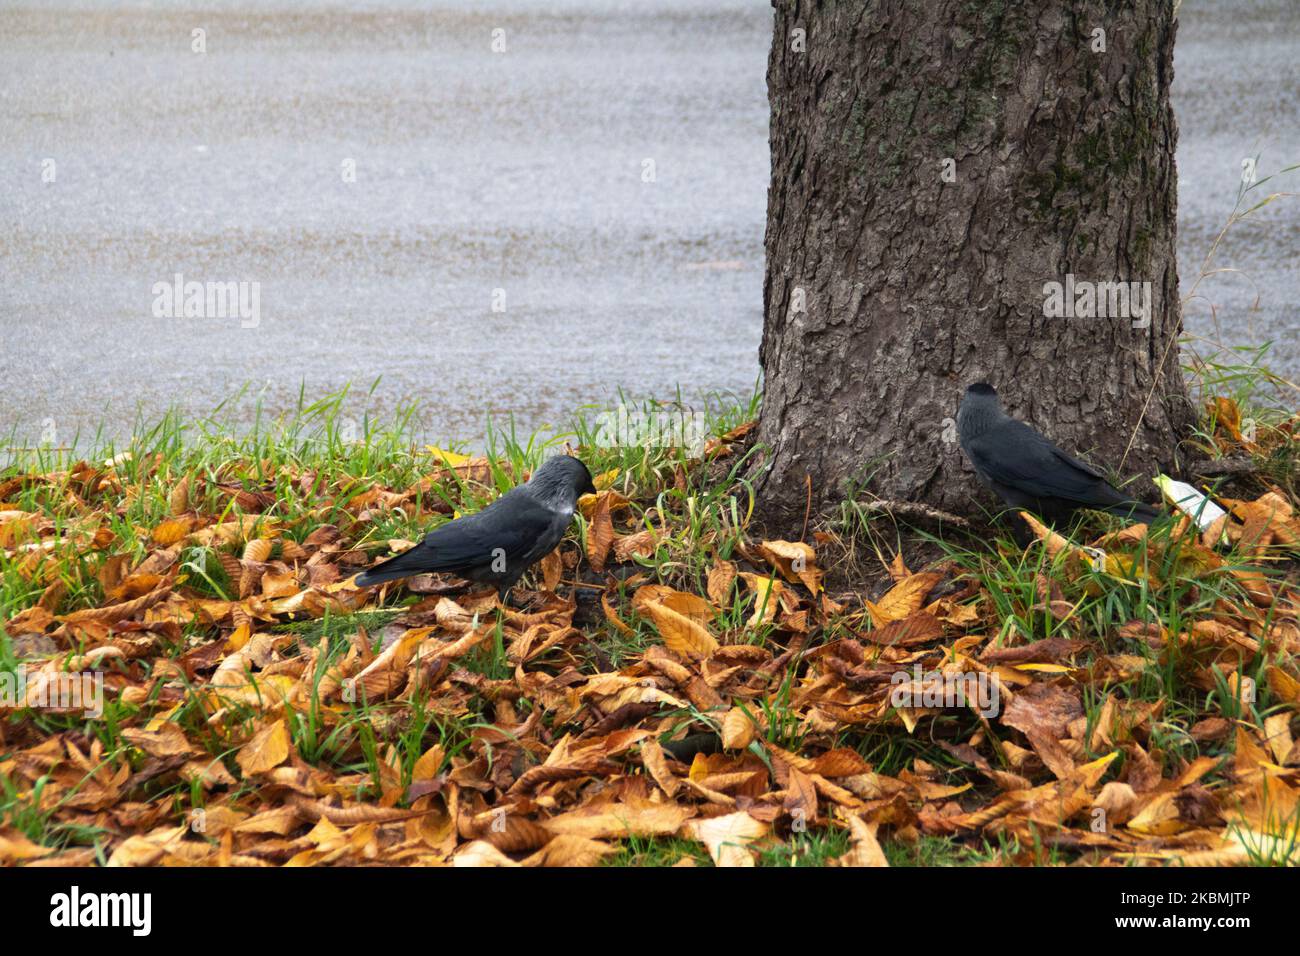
(590, 489)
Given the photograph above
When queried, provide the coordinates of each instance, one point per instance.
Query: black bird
(1027, 471)
(498, 544)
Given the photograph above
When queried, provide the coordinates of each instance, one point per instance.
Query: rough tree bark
(895, 277)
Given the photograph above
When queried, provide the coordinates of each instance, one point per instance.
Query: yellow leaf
(737, 729)
(427, 766)
(795, 560)
(1277, 732)
(1284, 686)
(689, 605)
(904, 599)
(680, 633)
(239, 637)
(1159, 817)
(171, 531)
(1093, 771)
(450, 458)
(767, 597)
(587, 503)
(268, 748)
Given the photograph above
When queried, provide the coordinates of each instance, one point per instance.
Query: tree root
(914, 511)
(1213, 467)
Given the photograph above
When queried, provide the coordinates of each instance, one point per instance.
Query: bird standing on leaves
(498, 544)
(1027, 471)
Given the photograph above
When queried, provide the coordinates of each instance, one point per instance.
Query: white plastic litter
(1189, 501)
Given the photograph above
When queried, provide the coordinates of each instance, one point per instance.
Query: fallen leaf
(727, 838)
(737, 729)
(866, 849)
(680, 633)
(267, 748)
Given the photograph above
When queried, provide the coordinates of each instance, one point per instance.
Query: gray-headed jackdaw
(498, 544)
(1027, 471)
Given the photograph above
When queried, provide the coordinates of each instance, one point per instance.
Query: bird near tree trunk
(964, 193)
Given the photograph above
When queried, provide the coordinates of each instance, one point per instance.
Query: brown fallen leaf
(767, 593)
(1054, 542)
(919, 627)
(267, 748)
(567, 850)
(680, 633)
(656, 762)
(600, 532)
(611, 615)
(904, 599)
(480, 853)
(168, 740)
(866, 849)
(15, 847)
(622, 820)
(796, 561)
(1043, 709)
(721, 577)
(727, 838)
(693, 606)
(552, 570)
(737, 729)
(178, 501)
(172, 530)
(639, 545)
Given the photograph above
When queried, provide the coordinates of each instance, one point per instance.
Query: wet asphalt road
(528, 230)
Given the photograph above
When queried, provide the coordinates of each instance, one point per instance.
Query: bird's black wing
(1075, 462)
(1015, 455)
(509, 527)
(512, 523)
(1106, 496)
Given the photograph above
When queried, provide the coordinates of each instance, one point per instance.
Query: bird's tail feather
(399, 566)
(1134, 511)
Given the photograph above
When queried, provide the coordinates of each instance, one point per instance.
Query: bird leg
(1021, 533)
(526, 606)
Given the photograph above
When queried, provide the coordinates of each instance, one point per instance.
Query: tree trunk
(934, 165)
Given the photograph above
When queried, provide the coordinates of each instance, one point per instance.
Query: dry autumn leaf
(721, 576)
(680, 633)
(796, 561)
(737, 729)
(550, 733)
(728, 837)
(600, 532)
(904, 599)
(866, 850)
(268, 748)
(767, 598)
